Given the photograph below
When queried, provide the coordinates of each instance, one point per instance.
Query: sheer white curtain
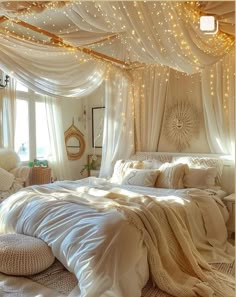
(150, 86)
(8, 114)
(58, 157)
(218, 95)
(118, 140)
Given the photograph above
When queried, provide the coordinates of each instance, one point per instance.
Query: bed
(114, 236)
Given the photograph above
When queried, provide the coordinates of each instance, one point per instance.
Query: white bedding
(82, 223)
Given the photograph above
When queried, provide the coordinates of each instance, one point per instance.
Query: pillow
(8, 159)
(6, 180)
(201, 178)
(120, 168)
(202, 162)
(140, 177)
(171, 176)
(24, 255)
(151, 164)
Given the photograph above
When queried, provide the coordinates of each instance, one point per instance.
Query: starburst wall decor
(182, 123)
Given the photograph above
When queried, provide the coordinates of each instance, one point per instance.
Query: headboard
(227, 180)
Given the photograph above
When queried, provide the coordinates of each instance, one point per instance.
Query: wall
(185, 87)
(74, 109)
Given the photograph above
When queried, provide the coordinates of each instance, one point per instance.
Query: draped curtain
(53, 71)
(150, 85)
(118, 140)
(218, 95)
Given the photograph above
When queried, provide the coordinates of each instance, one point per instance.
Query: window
(31, 134)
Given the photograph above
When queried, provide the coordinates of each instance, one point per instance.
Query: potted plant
(89, 166)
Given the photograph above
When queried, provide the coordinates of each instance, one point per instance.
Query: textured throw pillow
(203, 162)
(200, 178)
(8, 159)
(6, 180)
(121, 166)
(140, 177)
(171, 176)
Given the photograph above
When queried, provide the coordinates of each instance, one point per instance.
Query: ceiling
(79, 25)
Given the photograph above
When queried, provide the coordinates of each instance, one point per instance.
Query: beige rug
(58, 278)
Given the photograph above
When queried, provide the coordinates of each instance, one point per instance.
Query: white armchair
(13, 176)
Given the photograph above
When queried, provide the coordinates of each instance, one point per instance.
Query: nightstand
(230, 203)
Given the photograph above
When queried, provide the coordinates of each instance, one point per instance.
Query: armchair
(13, 176)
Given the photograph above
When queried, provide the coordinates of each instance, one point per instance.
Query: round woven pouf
(24, 255)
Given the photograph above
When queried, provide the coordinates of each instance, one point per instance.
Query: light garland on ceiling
(189, 12)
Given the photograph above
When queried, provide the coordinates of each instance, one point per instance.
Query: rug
(57, 277)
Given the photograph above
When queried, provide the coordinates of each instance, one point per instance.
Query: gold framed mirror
(75, 143)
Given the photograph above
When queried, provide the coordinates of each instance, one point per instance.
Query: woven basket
(40, 175)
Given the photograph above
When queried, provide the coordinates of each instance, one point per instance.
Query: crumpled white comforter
(91, 238)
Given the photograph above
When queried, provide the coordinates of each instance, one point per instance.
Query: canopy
(66, 48)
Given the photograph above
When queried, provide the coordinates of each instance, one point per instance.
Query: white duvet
(97, 241)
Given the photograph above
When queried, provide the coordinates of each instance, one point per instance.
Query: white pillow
(121, 166)
(200, 178)
(140, 177)
(151, 164)
(171, 176)
(8, 159)
(6, 180)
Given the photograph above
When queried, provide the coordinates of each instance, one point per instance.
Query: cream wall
(185, 87)
(74, 108)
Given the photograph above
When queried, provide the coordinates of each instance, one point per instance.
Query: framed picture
(97, 126)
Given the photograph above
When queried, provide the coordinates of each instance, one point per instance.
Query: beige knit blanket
(176, 266)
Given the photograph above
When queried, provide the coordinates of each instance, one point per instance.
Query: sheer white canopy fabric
(148, 32)
(218, 95)
(118, 139)
(53, 71)
(151, 32)
(149, 103)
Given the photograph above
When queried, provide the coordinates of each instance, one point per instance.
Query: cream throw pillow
(120, 168)
(200, 178)
(171, 176)
(6, 180)
(140, 177)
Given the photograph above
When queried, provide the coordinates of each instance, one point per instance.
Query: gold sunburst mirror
(181, 124)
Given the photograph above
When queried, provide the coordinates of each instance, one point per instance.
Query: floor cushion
(24, 255)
